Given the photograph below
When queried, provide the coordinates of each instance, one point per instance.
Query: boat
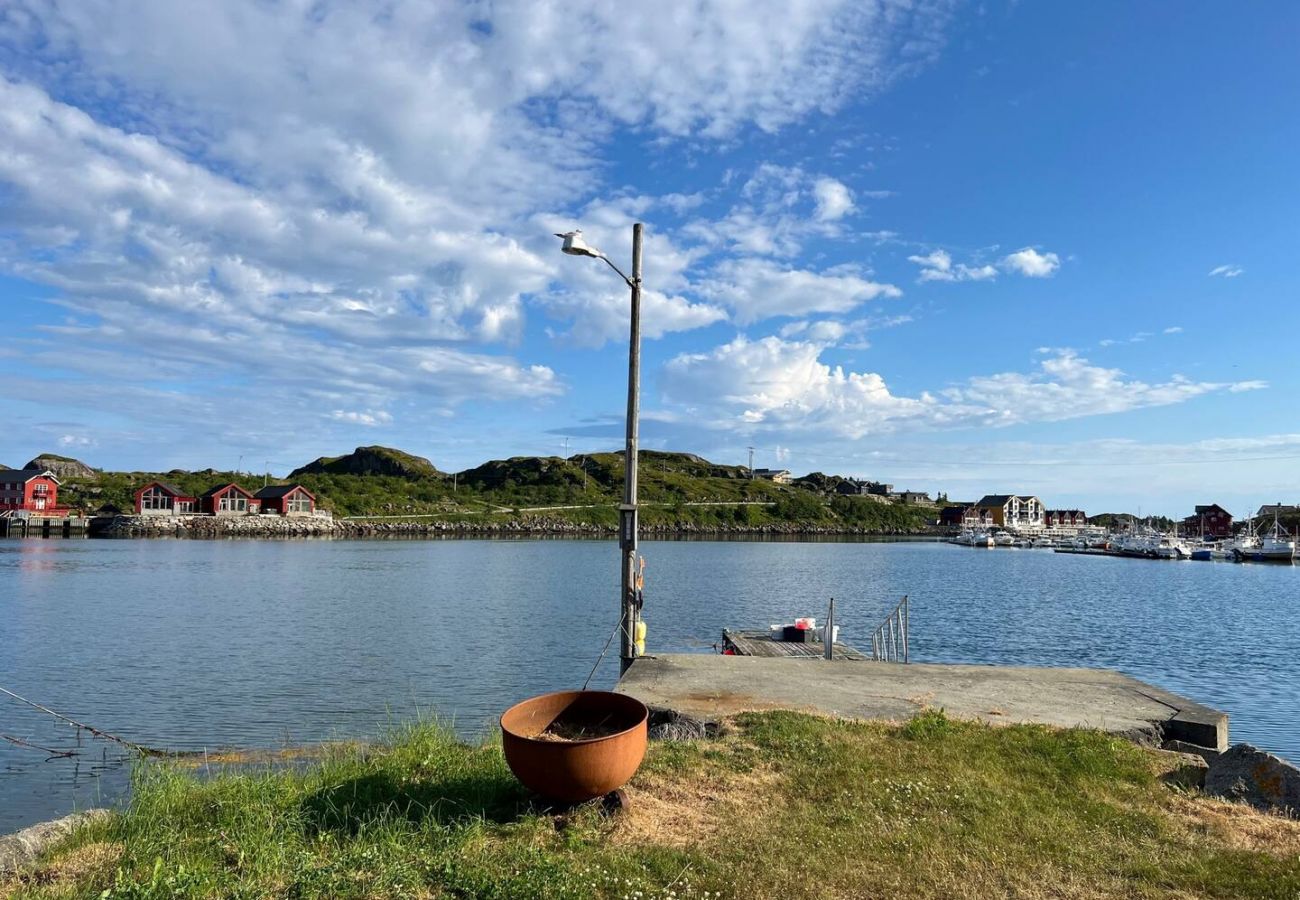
(1004, 539)
(971, 538)
(1277, 546)
(1170, 546)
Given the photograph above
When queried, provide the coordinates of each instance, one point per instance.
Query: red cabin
(287, 500)
(31, 491)
(158, 498)
(228, 500)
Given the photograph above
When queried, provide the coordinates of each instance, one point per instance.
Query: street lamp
(629, 596)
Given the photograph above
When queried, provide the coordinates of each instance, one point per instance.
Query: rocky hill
(371, 461)
(63, 467)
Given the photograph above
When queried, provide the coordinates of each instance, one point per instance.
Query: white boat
(1004, 539)
(1171, 547)
(1277, 546)
(972, 538)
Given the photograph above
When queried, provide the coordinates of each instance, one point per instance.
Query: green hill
(370, 461)
(676, 490)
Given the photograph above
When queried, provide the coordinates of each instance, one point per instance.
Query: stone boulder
(1258, 778)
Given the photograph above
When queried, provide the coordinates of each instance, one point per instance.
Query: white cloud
(1173, 329)
(1228, 271)
(937, 265)
(76, 440)
(1032, 264)
(369, 418)
(230, 176)
(783, 387)
(601, 317)
(834, 200)
(757, 289)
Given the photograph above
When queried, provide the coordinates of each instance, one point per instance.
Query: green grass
(783, 805)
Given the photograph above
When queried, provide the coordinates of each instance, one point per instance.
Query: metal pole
(828, 639)
(628, 524)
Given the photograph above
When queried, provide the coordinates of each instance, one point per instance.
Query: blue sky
(1042, 248)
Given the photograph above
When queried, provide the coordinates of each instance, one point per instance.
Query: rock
(23, 847)
(1258, 778)
(63, 467)
(1207, 754)
(671, 725)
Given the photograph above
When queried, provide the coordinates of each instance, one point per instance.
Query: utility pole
(751, 463)
(629, 524)
(266, 474)
(566, 448)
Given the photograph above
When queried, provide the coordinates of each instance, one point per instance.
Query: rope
(19, 742)
(601, 658)
(138, 748)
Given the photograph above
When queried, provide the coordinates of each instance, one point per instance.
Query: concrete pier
(709, 686)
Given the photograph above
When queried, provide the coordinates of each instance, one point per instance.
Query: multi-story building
(1011, 511)
(29, 491)
(1213, 521)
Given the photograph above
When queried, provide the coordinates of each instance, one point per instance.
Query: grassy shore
(782, 805)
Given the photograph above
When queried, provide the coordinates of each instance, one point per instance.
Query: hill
(62, 466)
(371, 461)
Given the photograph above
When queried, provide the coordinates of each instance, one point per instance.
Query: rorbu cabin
(228, 500)
(158, 498)
(287, 500)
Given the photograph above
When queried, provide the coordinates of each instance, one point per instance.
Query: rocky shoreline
(210, 527)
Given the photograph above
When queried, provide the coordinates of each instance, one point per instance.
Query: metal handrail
(889, 641)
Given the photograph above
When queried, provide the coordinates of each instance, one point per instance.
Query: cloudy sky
(1001, 246)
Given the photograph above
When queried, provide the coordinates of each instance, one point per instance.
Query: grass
(782, 805)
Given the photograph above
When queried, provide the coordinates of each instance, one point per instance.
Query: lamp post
(628, 524)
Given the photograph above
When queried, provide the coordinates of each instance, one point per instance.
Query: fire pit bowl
(547, 745)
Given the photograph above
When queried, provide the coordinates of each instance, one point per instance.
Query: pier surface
(709, 686)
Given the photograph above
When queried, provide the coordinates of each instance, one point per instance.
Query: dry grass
(82, 865)
(1235, 825)
(671, 811)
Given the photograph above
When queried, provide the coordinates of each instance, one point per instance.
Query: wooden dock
(760, 643)
(44, 526)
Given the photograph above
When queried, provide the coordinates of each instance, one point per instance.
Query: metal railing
(889, 641)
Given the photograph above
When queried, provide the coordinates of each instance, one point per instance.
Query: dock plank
(760, 643)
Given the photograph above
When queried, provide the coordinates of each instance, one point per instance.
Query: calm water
(206, 644)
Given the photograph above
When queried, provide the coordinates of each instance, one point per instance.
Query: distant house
(911, 497)
(1065, 519)
(1212, 521)
(779, 476)
(228, 500)
(1268, 511)
(287, 500)
(854, 487)
(159, 498)
(31, 491)
(1012, 511)
(954, 515)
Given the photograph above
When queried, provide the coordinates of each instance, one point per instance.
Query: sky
(973, 248)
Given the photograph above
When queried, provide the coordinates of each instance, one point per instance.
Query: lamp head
(574, 245)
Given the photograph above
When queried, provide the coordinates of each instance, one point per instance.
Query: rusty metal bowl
(574, 771)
